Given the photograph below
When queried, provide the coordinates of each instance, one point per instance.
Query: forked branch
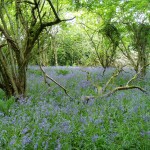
(46, 76)
(123, 88)
(103, 92)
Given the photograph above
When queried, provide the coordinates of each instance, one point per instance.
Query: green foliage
(6, 105)
(62, 72)
(73, 46)
(36, 72)
(112, 33)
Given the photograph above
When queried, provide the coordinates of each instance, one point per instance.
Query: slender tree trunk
(22, 80)
(54, 49)
(142, 60)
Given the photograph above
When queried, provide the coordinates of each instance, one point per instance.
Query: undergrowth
(48, 119)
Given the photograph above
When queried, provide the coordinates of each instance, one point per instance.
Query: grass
(48, 119)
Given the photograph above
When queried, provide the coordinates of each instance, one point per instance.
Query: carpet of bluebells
(49, 120)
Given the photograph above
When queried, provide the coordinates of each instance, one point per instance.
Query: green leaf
(6, 105)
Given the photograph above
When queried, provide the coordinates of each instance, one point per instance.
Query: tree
(134, 21)
(137, 45)
(20, 30)
(132, 18)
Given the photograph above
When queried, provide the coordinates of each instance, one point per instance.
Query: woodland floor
(49, 119)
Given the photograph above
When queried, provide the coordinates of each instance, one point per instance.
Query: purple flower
(98, 121)
(121, 108)
(65, 126)
(24, 131)
(146, 118)
(13, 140)
(58, 147)
(113, 135)
(1, 114)
(135, 109)
(84, 84)
(144, 133)
(83, 120)
(94, 138)
(91, 119)
(26, 140)
(35, 146)
(44, 123)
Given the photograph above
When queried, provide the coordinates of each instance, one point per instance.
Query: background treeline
(103, 33)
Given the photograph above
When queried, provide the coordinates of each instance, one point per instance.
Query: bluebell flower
(145, 133)
(26, 140)
(13, 140)
(95, 138)
(36, 146)
(146, 118)
(84, 84)
(83, 120)
(65, 127)
(44, 124)
(25, 130)
(59, 146)
(98, 121)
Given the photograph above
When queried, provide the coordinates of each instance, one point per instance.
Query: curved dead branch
(63, 88)
(124, 88)
(103, 93)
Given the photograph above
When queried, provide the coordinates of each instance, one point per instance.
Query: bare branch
(67, 19)
(54, 11)
(9, 39)
(123, 88)
(28, 2)
(2, 45)
(42, 6)
(136, 75)
(37, 7)
(91, 39)
(46, 24)
(46, 76)
(120, 88)
(116, 73)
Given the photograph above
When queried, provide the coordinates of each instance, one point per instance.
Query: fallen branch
(46, 76)
(123, 88)
(115, 74)
(136, 75)
(86, 99)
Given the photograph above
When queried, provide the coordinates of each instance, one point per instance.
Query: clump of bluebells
(48, 119)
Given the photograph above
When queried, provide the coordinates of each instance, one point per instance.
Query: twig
(46, 76)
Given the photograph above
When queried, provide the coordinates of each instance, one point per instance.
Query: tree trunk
(142, 62)
(20, 30)
(54, 50)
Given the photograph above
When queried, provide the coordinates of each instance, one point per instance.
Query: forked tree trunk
(16, 46)
(19, 88)
(12, 77)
